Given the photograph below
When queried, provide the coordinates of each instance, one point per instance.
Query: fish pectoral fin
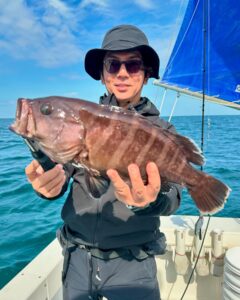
(97, 185)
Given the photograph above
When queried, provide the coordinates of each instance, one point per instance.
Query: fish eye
(46, 109)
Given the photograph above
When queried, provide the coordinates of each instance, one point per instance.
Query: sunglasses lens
(132, 66)
(114, 66)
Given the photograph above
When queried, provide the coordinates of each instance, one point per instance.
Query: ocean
(29, 223)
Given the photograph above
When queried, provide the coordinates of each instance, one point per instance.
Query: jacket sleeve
(167, 202)
(69, 171)
(168, 199)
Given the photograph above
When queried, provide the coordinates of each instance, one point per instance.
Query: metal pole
(175, 102)
(163, 99)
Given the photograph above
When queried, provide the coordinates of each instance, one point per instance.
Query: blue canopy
(222, 50)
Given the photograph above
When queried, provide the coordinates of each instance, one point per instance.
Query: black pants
(121, 278)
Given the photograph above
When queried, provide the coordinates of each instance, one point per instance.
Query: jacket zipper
(94, 241)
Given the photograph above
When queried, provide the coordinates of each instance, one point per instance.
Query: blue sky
(43, 44)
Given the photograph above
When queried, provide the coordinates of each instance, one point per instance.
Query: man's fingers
(32, 167)
(53, 187)
(44, 179)
(122, 190)
(31, 170)
(139, 195)
(135, 176)
(138, 187)
(48, 183)
(154, 180)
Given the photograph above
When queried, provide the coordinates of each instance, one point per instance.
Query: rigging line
(180, 44)
(170, 46)
(190, 277)
(205, 31)
(208, 38)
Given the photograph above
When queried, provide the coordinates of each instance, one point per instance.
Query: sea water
(28, 223)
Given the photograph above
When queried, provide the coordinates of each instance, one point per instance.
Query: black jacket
(106, 222)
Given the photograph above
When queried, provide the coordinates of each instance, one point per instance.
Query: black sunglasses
(132, 66)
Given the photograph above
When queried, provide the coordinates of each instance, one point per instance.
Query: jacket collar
(144, 107)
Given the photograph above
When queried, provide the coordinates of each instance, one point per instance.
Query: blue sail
(218, 52)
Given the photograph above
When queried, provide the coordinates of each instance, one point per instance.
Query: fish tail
(210, 194)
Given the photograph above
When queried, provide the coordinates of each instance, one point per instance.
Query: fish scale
(99, 137)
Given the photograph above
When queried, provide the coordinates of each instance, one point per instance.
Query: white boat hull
(41, 279)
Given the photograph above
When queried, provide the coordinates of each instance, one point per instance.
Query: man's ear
(102, 79)
(146, 79)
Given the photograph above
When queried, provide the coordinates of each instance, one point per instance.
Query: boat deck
(41, 279)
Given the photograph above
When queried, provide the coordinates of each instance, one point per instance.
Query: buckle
(83, 247)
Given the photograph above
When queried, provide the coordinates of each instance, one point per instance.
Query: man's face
(125, 85)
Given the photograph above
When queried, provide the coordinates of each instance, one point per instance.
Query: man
(109, 242)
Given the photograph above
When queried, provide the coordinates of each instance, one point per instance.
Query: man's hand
(138, 194)
(48, 183)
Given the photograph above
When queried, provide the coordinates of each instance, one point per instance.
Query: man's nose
(122, 71)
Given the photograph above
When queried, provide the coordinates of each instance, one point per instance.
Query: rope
(170, 46)
(205, 19)
(205, 31)
(190, 277)
(180, 44)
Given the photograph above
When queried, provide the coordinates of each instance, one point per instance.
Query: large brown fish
(100, 137)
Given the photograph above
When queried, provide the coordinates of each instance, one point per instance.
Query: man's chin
(123, 102)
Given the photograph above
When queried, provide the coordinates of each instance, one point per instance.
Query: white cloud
(97, 3)
(103, 7)
(46, 38)
(55, 33)
(59, 6)
(146, 4)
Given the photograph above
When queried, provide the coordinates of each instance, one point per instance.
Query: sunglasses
(132, 66)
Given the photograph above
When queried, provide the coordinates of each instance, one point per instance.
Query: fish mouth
(24, 124)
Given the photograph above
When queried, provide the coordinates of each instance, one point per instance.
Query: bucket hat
(122, 38)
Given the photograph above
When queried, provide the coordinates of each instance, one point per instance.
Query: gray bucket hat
(122, 38)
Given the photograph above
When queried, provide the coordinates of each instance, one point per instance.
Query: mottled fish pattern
(99, 137)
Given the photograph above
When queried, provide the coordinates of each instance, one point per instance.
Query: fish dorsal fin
(190, 149)
(188, 146)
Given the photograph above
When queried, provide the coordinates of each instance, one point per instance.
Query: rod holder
(217, 261)
(202, 267)
(181, 260)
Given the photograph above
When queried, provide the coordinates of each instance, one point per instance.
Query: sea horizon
(29, 223)
(164, 116)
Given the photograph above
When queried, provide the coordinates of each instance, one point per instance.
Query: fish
(101, 137)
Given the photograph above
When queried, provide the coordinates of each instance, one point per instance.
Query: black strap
(66, 238)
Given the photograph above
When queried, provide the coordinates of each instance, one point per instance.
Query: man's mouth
(121, 87)
(24, 123)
